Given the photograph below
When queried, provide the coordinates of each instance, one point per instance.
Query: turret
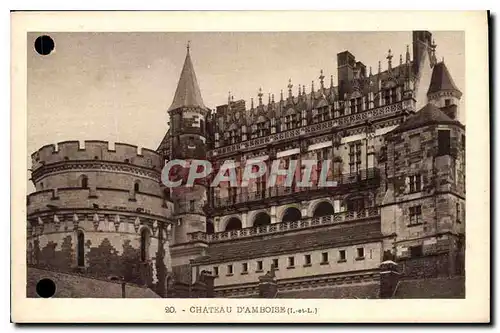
(188, 115)
(443, 93)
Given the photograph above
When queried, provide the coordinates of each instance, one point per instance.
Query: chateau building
(394, 226)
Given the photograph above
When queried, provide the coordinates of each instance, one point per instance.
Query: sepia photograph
(246, 165)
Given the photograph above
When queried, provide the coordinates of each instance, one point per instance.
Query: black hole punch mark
(44, 45)
(45, 288)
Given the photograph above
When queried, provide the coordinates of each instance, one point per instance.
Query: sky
(118, 86)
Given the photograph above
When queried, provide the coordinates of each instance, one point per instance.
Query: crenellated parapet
(96, 150)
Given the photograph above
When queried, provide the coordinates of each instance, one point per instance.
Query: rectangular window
(307, 259)
(444, 144)
(447, 102)
(416, 215)
(244, 267)
(360, 252)
(458, 213)
(387, 97)
(191, 205)
(416, 251)
(291, 262)
(324, 257)
(276, 263)
(463, 141)
(415, 183)
(216, 271)
(353, 106)
(342, 256)
(229, 269)
(359, 103)
(259, 265)
(415, 143)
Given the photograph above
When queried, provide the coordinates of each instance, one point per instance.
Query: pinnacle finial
(389, 59)
(290, 86)
(370, 71)
(228, 97)
(299, 91)
(379, 67)
(321, 77)
(260, 94)
(400, 59)
(188, 46)
(272, 98)
(281, 93)
(269, 101)
(251, 103)
(407, 53)
(304, 89)
(331, 81)
(312, 88)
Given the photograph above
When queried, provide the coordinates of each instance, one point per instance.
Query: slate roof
(78, 286)
(441, 79)
(443, 287)
(257, 247)
(428, 115)
(187, 92)
(365, 290)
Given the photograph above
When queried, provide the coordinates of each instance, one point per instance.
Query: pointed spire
(331, 81)
(433, 52)
(321, 78)
(187, 92)
(407, 53)
(260, 94)
(389, 60)
(290, 86)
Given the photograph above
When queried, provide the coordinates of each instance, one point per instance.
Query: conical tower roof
(441, 80)
(187, 92)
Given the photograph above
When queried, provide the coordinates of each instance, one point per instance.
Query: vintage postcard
(250, 167)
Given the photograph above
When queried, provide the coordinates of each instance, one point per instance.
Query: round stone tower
(100, 211)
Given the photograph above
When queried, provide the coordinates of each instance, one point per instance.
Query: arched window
(233, 224)
(80, 249)
(261, 219)
(144, 244)
(84, 181)
(137, 187)
(291, 214)
(324, 208)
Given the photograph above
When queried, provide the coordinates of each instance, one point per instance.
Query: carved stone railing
(343, 180)
(273, 228)
(351, 119)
